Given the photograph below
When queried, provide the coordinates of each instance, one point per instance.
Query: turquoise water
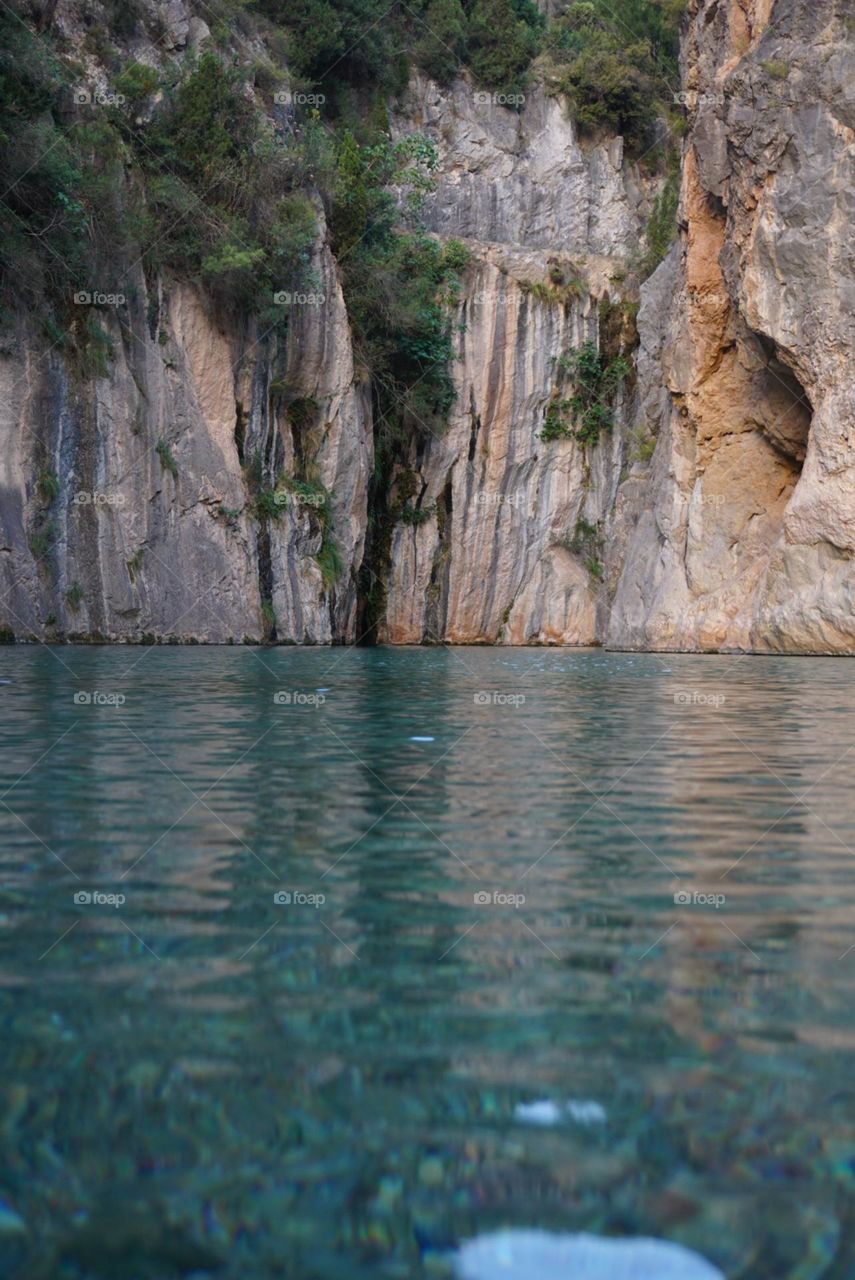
(202, 1079)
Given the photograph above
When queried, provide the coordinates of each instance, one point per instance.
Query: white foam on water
(546, 1112)
(421, 739)
(586, 1112)
(519, 1254)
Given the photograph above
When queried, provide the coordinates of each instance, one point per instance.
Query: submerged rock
(542, 1255)
(544, 1112)
(586, 1112)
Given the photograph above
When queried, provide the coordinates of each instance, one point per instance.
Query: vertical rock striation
(739, 535)
(154, 532)
(211, 482)
(496, 557)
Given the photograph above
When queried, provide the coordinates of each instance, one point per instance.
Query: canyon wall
(153, 533)
(718, 513)
(550, 227)
(739, 535)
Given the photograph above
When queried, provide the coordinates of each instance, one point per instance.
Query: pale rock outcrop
(740, 536)
(493, 562)
(497, 559)
(130, 545)
(518, 176)
(125, 508)
(337, 435)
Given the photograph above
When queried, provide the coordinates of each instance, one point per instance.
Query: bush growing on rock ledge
(179, 169)
(616, 63)
(587, 413)
(503, 40)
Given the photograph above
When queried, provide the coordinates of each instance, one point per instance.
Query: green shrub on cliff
(42, 218)
(587, 413)
(365, 45)
(397, 283)
(342, 42)
(503, 38)
(219, 192)
(441, 48)
(616, 62)
(198, 183)
(662, 224)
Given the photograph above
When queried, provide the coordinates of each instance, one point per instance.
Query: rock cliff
(550, 226)
(717, 513)
(739, 534)
(153, 533)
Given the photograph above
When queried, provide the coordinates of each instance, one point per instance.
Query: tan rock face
(335, 434)
(145, 547)
(493, 564)
(498, 560)
(741, 530)
(519, 177)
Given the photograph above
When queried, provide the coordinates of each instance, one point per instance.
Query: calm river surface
(292, 941)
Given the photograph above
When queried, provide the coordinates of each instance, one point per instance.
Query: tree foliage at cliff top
(615, 60)
(223, 190)
(365, 42)
(617, 63)
(185, 173)
(397, 283)
(42, 219)
(191, 176)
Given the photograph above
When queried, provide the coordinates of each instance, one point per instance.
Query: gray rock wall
(154, 532)
(495, 562)
(732, 527)
(740, 533)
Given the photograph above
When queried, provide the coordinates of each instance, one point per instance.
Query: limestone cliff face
(153, 533)
(549, 226)
(129, 502)
(739, 535)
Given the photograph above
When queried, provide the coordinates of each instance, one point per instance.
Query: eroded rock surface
(129, 502)
(549, 225)
(154, 533)
(740, 535)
